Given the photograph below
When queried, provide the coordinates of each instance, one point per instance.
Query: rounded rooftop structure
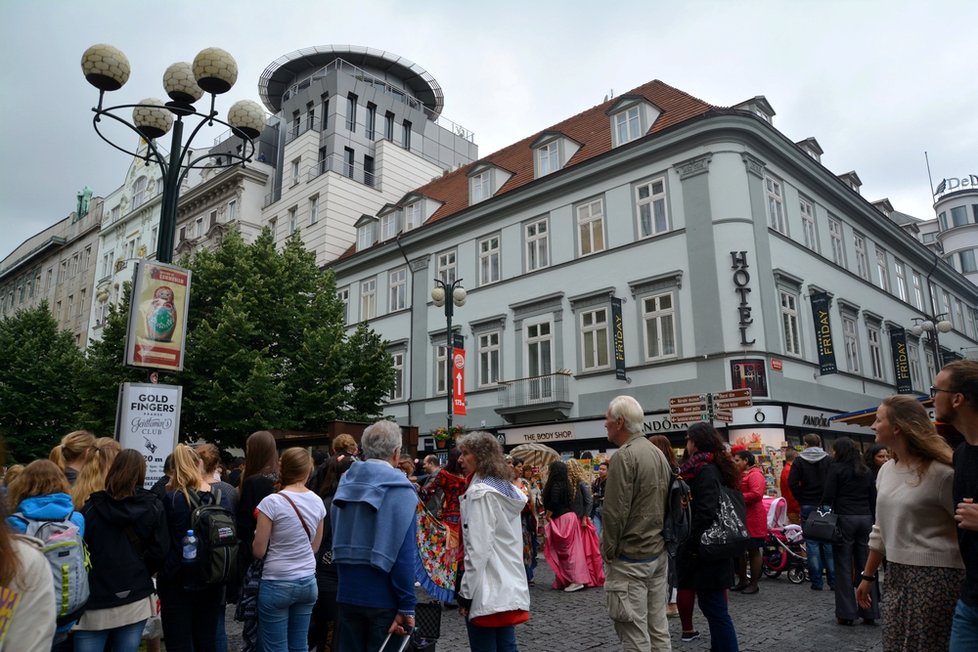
(282, 73)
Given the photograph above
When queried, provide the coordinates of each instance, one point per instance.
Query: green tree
(39, 372)
(266, 348)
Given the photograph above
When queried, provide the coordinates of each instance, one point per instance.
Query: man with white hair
(374, 547)
(631, 537)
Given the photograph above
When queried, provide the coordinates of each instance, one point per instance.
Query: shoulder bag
(727, 536)
(822, 526)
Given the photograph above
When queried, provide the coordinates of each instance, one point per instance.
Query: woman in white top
(914, 531)
(290, 527)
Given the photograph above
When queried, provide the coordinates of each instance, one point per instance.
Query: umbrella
(537, 455)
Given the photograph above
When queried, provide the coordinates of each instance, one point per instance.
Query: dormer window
(759, 106)
(366, 232)
(548, 158)
(412, 215)
(481, 187)
(551, 151)
(388, 226)
(631, 118)
(628, 126)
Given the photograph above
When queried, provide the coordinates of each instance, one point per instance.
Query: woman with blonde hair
(92, 476)
(73, 453)
(915, 531)
(190, 612)
(128, 540)
(290, 528)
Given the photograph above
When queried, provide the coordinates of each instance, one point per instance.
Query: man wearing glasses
(955, 394)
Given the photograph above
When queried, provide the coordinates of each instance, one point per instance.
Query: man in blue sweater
(374, 547)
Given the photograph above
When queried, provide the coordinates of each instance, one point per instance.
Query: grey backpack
(65, 550)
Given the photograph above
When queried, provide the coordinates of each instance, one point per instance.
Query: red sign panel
(458, 381)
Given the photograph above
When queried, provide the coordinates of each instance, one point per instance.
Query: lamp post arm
(153, 153)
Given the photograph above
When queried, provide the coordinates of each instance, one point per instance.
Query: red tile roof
(591, 128)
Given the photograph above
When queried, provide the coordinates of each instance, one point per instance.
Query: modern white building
(659, 246)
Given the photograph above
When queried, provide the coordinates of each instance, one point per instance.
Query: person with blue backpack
(42, 509)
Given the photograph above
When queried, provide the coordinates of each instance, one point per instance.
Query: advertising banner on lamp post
(148, 420)
(823, 333)
(898, 347)
(157, 329)
(458, 379)
(617, 325)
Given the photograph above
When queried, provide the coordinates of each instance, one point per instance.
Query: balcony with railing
(535, 398)
(301, 125)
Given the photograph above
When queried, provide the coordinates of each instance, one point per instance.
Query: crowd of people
(328, 554)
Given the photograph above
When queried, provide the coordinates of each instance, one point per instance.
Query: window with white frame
(882, 270)
(594, 339)
(446, 267)
(388, 226)
(343, 294)
(548, 158)
(537, 244)
(931, 370)
(397, 362)
(489, 358)
(862, 265)
(481, 186)
(946, 308)
(590, 227)
(851, 340)
(295, 171)
(775, 204)
(659, 318)
(441, 372)
(313, 210)
(412, 216)
(139, 192)
(628, 125)
(539, 360)
(808, 223)
(232, 211)
(967, 262)
(489, 260)
(901, 279)
(918, 290)
(835, 236)
(650, 202)
(397, 288)
(365, 236)
(368, 299)
(875, 350)
(789, 322)
(293, 220)
(914, 354)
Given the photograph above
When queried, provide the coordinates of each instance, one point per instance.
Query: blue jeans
(819, 555)
(596, 519)
(119, 639)
(284, 611)
(362, 629)
(723, 636)
(964, 628)
(491, 639)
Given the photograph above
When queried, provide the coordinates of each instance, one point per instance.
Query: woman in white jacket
(493, 594)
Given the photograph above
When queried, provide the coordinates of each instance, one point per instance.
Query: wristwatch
(867, 578)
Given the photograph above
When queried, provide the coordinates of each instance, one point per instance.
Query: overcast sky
(876, 82)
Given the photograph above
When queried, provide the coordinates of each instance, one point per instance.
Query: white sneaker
(570, 588)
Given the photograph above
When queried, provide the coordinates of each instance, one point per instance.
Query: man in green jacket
(631, 539)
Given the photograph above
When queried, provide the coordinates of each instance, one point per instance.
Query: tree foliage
(40, 369)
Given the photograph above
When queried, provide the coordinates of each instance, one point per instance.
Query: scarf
(692, 466)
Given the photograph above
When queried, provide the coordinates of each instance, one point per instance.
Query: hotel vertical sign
(741, 279)
(823, 333)
(619, 338)
(901, 361)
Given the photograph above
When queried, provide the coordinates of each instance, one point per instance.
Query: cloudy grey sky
(877, 82)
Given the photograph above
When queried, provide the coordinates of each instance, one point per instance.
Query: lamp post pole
(449, 295)
(213, 71)
(932, 326)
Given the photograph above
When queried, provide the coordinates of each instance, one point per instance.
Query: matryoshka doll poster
(158, 316)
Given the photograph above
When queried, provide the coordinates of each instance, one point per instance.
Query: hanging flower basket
(444, 436)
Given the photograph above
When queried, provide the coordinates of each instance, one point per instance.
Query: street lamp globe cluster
(213, 71)
(932, 326)
(439, 296)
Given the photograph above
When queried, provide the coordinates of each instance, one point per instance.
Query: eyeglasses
(934, 389)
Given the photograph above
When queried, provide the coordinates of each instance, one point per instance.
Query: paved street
(783, 616)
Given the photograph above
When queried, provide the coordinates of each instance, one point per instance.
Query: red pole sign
(458, 381)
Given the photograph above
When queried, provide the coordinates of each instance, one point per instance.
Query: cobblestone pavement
(782, 616)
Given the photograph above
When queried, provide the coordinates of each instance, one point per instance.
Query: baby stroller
(784, 547)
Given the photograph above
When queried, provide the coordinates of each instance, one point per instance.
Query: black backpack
(217, 542)
(676, 522)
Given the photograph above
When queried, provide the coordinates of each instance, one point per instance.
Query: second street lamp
(449, 295)
(932, 326)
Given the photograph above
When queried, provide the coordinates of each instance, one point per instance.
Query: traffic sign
(733, 399)
(733, 394)
(691, 399)
(724, 415)
(687, 409)
(692, 417)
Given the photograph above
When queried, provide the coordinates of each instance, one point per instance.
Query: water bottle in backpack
(189, 543)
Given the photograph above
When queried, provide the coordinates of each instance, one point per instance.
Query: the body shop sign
(148, 420)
